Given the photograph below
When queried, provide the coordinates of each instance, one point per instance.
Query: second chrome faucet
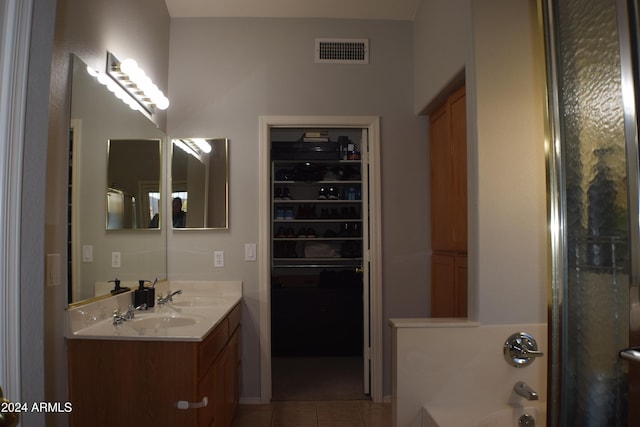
(169, 297)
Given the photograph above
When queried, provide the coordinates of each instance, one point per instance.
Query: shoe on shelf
(280, 233)
(333, 193)
(322, 193)
(311, 232)
(302, 233)
(288, 214)
(279, 214)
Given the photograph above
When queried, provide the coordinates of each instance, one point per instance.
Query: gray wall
(225, 73)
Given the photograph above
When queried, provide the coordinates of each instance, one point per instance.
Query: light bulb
(163, 103)
(129, 66)
(202, 144)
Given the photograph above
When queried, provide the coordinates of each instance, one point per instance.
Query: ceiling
(403, 10)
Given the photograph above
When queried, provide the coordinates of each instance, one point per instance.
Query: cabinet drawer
(212, 346)
(234, 318)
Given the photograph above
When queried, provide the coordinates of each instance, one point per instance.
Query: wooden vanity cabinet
(124, 382)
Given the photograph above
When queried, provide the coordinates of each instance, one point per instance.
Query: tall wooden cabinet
(448, 166)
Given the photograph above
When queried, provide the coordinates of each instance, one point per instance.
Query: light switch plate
(87, 253)
(53, 269)
(218, 259)
(249, 251)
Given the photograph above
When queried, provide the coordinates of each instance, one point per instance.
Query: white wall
(225, 73)
(512, 230)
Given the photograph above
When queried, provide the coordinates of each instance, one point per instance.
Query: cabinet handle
(183, 404)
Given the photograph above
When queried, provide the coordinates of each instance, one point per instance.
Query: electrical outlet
(115, 259)
(218, 259)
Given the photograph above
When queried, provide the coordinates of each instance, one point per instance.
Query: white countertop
(191, 315)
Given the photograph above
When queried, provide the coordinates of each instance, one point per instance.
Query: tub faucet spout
(522, 389)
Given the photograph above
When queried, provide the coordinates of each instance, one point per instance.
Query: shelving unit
(317, 223)
(318, 232)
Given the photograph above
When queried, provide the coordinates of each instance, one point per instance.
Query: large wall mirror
(200, 183)
(113, 150)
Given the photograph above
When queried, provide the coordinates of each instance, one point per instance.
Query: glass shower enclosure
(592, 146)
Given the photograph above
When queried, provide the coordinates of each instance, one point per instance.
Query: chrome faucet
(169, 297)
(118, 317)
(522, 389)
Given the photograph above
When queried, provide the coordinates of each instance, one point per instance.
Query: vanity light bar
(115, 88)
(136, 83)
(182, 144)
(202, 144)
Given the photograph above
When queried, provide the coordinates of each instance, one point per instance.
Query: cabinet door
(448, 285)
(233, 389)
(440, 163)
(460, 265)
(458, 146)
(448, 163)
(220, 380)
(443, 295)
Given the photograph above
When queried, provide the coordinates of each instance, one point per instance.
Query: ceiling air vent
(342, 51)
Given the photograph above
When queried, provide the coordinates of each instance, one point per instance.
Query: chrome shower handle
(520, 349)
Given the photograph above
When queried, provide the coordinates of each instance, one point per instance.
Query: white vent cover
(342, 51)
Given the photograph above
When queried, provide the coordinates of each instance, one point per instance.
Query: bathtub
(456, 369)
(485, 416)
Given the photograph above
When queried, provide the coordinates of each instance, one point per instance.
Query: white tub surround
(190, 317)
(455, 369)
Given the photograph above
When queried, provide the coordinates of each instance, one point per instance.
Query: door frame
(372, 124)
(628, 33)
(15, 33)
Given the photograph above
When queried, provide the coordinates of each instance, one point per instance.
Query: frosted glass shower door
(594, 196)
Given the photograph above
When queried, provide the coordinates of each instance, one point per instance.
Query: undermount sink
(164, 321)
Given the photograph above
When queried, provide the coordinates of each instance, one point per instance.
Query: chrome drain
(526, 420)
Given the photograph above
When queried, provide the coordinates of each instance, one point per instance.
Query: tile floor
(316, 379)
(353, 413)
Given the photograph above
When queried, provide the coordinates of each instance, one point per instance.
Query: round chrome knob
(520, 349)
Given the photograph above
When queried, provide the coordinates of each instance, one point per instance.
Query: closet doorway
(320, 296)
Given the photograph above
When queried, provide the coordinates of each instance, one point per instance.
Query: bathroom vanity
(176, 364)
